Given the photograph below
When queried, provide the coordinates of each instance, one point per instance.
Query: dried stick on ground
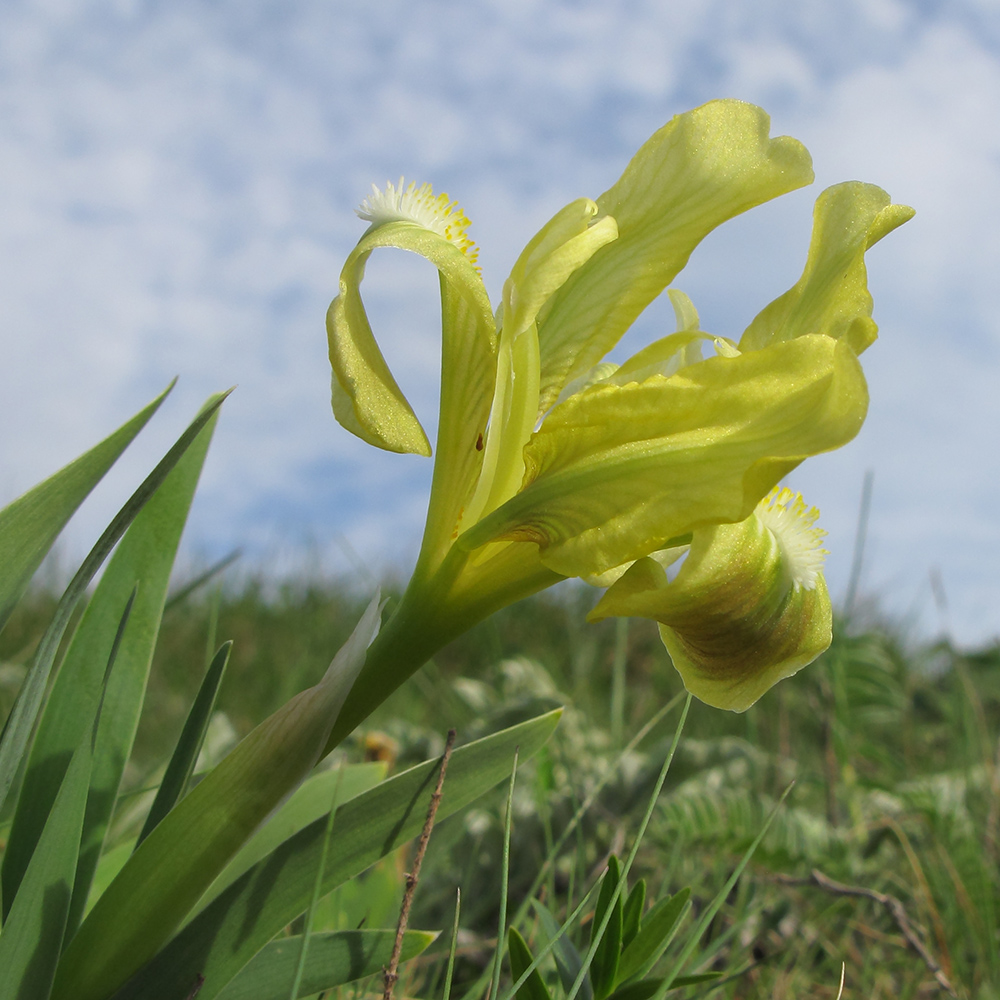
(390, 975)
(891, 904)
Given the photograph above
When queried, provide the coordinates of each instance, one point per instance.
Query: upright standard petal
(615, 472)
(832, 295)
(563, 245)
(699, 170)
(468, 372)
(748, 607)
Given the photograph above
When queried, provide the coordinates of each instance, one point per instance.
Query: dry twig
(890, 903)
(390, 974)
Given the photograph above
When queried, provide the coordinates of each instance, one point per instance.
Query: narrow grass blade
(23, 716)
(521, 961)
(145, 556)
(567, 957)
(574, 824)
(31, 523)
(181, 766)
(569, 962)
(221, 939)
(860, 537)
(713, 907)
(640, 833)
(574, 827)
(556, 940)
(334, 959)
(452, 947)
(504, 879)
(618, 685)
(199, 581)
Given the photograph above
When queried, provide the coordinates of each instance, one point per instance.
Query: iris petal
(733, 620)
(832, 295)
(369, 403)
(614, 472)
(699, 170)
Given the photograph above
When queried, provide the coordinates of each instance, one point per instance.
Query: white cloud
(176, 184)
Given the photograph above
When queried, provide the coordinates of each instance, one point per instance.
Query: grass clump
(892, 746)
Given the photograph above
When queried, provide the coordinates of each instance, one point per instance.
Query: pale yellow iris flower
(551, 464)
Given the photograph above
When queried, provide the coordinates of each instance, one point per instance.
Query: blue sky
(177, 185)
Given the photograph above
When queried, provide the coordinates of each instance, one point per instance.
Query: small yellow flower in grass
(748, 606)
(552, 463)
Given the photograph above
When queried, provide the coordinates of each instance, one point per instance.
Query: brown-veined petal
(736, 619)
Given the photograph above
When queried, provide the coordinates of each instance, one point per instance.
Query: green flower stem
(433, 612)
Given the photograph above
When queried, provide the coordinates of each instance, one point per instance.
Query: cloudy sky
(177, 185)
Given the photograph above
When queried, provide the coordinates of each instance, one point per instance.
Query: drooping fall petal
(748, 607)
(366, 399)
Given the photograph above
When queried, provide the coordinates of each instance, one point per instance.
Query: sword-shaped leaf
(145, 558)
(23, 717)
(31, 523)
(182, 761)
(164, 879)
(37, 923)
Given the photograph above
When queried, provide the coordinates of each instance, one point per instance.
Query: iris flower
(552, 464)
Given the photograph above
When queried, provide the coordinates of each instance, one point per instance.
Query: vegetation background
(892, 743)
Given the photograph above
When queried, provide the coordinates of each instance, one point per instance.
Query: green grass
(892, 744)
